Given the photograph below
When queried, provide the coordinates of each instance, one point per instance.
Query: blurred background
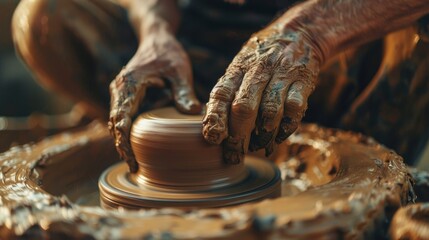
(20, 95)
(27, 111)
(30, 113)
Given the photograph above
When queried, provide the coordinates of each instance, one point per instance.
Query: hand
(160, 57)
(263, 95)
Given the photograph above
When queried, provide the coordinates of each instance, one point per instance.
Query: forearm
(148, 16)
(335, 25)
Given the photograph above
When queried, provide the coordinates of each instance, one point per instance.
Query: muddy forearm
(148, 16)
(335, 25)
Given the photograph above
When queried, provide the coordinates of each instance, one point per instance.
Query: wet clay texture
(352, 185)
(411, 222)
(177, 168)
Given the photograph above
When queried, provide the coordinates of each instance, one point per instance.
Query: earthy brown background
(20, 95)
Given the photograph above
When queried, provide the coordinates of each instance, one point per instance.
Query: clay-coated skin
(159, 57)
(244, 110)
(263, 95)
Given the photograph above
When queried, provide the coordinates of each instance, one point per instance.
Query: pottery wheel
(355, 184)
(177, 168)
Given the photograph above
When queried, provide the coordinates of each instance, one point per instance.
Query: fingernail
(189, 106)
(287, 127)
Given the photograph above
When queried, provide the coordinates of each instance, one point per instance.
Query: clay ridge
(370, 179)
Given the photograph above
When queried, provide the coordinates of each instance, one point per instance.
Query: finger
(294, 109)
(185, 98)
(270, 113)
(126, 94)
(215, 122)
(244, 110)
(120, 126)
(180, 78)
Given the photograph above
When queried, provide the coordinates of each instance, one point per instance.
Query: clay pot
(177, 168)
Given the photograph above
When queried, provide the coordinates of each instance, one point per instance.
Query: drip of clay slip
(177, 168)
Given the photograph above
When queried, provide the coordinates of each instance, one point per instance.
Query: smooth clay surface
(346, 185)
(178, 168)
(170, 150)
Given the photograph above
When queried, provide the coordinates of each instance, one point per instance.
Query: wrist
(333, 26)
(298, 24)
(155, 25)
(149, 17)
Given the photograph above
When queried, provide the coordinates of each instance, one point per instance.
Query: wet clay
(411, 222)
(344, 185)
(177, 168)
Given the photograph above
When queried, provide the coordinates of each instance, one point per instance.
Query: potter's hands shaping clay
(268, 82)
(263, 94)
(159, 60)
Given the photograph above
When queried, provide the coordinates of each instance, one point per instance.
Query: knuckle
(269, 110)
(242, 61)
(210, 119)
(295, 109)
(273, 57)
(270, 114)
(215, 121)
(119, 122)
(260, 74)
(295, 103)
(234, 71)
(243, 109)
(271, 60)
(214, 128)
(286, 61)
(305, 73)
(222, 91)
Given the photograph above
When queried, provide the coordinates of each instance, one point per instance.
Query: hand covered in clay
(263, 95)
(159, 61)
